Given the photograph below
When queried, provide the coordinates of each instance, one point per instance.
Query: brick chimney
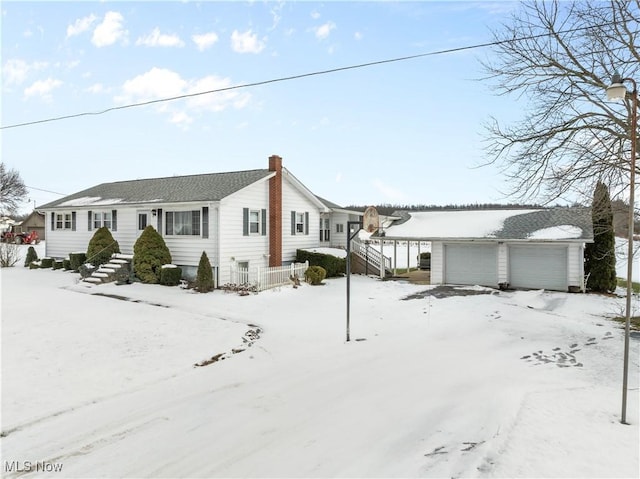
(275, 212)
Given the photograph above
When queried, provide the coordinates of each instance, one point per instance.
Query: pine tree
(31, 256)
(101, 247)
(204, 278)
(600, 257)
(150, 252)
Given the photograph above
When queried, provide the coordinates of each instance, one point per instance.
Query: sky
(406, 132)
(484, 383)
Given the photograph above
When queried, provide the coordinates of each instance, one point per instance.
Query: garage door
(538, 267)
(471, 264)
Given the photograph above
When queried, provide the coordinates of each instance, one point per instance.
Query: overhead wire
(293, 77)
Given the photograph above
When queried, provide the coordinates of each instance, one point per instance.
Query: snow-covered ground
(100, 381)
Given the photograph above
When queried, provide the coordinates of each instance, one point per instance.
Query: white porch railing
(263, 278)
(370, 254)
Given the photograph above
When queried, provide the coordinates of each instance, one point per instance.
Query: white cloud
(157, 39)
(155, 84)
(246, 42)
(389, 192)
(16, 71)
(42, 88)
(81, 25)
(110, 30)
(159, 83)
(315, 14)
(323, 31)
(205, 40)
(358, 36)
(96, 88)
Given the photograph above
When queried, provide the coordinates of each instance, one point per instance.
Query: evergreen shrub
(150, 252)
(46, 263)
(76, 260)
(57, 264)
(204, 276)
(101, 247)
(315, 274)
(170, 276)
(332, 265)
(31, 256)
(66, 264)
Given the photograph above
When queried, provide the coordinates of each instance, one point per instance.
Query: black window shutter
(53, 221)
(205, 221)
(306, 222)
(73, 221)
(114, 220)
(245, 221)
(159, 213)
(89, 218)
(264, 222)
(293, 223)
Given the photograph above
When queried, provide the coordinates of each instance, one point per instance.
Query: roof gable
(174, 189)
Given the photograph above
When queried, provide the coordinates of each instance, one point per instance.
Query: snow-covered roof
(527, 224)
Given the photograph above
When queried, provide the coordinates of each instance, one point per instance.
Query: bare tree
(12, 190)
(559, 57)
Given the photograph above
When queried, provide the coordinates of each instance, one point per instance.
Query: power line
(46, 191)
(296, 77)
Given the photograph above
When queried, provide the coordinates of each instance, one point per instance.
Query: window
(339, 228)
(101, 218)
(299, 223)
(183, 223)
(254, 222)
(63, 221)
(142, 221)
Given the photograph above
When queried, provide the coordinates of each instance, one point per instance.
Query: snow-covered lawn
(100, 380)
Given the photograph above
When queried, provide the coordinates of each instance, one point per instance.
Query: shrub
(150, 252)
(31, 256)
(57, 264)
(333, 265)
(170, 275)
(9, 254)
(204, 276)
(101, 247)
(315, 274)
(66, 264)
(124, 274)
(46, 263)
(34, 265)
(76, 260)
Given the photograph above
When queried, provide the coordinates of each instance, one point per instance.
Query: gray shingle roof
(174, 189)
(524, 225)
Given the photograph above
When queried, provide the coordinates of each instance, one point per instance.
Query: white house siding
(576, 266)
(233, 244)
(293, 200)
(437, 262)
(339, 240)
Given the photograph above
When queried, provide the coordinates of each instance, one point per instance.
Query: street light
(617, 91)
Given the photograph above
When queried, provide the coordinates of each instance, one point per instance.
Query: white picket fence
(263, 278)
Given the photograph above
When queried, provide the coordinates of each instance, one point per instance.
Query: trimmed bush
(150, 252)
(31, 256)
(46, 263)
(57, 264)
(315, 274)
(170, 276)
(332, 265)
(204, 277)
(101, 247)
(76, 260)
(34, 265)
(66, 264)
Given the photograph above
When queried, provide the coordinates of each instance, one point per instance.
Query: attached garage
(538, 267)
(471, 264)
